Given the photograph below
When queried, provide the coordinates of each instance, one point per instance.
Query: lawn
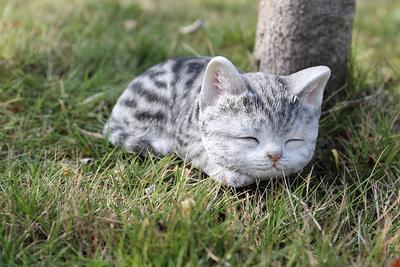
(68, 198)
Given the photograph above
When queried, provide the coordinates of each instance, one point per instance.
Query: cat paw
(227, 177)
(234, 179)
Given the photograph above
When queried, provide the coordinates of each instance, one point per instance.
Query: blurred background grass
(376, 37)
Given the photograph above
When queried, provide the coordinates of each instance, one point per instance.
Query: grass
(62, 66)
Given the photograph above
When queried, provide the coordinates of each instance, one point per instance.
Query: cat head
(260, 124)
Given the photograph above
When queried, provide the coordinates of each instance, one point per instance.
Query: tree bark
(296, 34)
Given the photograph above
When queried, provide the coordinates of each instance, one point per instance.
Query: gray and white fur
(236, 127)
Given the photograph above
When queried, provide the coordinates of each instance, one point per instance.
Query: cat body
(236, 127)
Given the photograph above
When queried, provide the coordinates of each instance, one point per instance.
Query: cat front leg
(227, 177)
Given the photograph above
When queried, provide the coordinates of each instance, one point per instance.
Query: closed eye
(294, 140)
(249, 138)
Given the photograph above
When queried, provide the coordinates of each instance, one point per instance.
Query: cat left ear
(309, 84)
(220, 78)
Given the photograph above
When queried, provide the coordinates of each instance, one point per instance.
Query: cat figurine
(236, 127)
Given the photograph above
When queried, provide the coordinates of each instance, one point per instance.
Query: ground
(63, 64)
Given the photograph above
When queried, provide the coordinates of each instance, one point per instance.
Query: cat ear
(309, 84)
(221, 78)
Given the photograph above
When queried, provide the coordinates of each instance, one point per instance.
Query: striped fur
(213, 118)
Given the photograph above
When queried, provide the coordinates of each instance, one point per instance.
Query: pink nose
(274, 157)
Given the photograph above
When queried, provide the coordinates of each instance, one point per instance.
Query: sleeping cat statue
(237, 127)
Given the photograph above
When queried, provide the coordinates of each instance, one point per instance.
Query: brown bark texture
(296, 34)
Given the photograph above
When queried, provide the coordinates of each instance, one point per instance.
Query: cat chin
(272, 172)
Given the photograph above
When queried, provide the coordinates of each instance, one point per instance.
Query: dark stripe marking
(158, 116)
(137, 88)
(131, 103)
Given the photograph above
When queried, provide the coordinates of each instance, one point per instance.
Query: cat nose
(275, 156)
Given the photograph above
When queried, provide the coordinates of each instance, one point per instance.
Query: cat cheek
(297, 158)
(293, 146)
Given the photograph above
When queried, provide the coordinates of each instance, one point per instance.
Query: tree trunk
(296, 34)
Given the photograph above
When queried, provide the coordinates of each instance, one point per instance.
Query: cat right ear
(309, 84)
(220, 78)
